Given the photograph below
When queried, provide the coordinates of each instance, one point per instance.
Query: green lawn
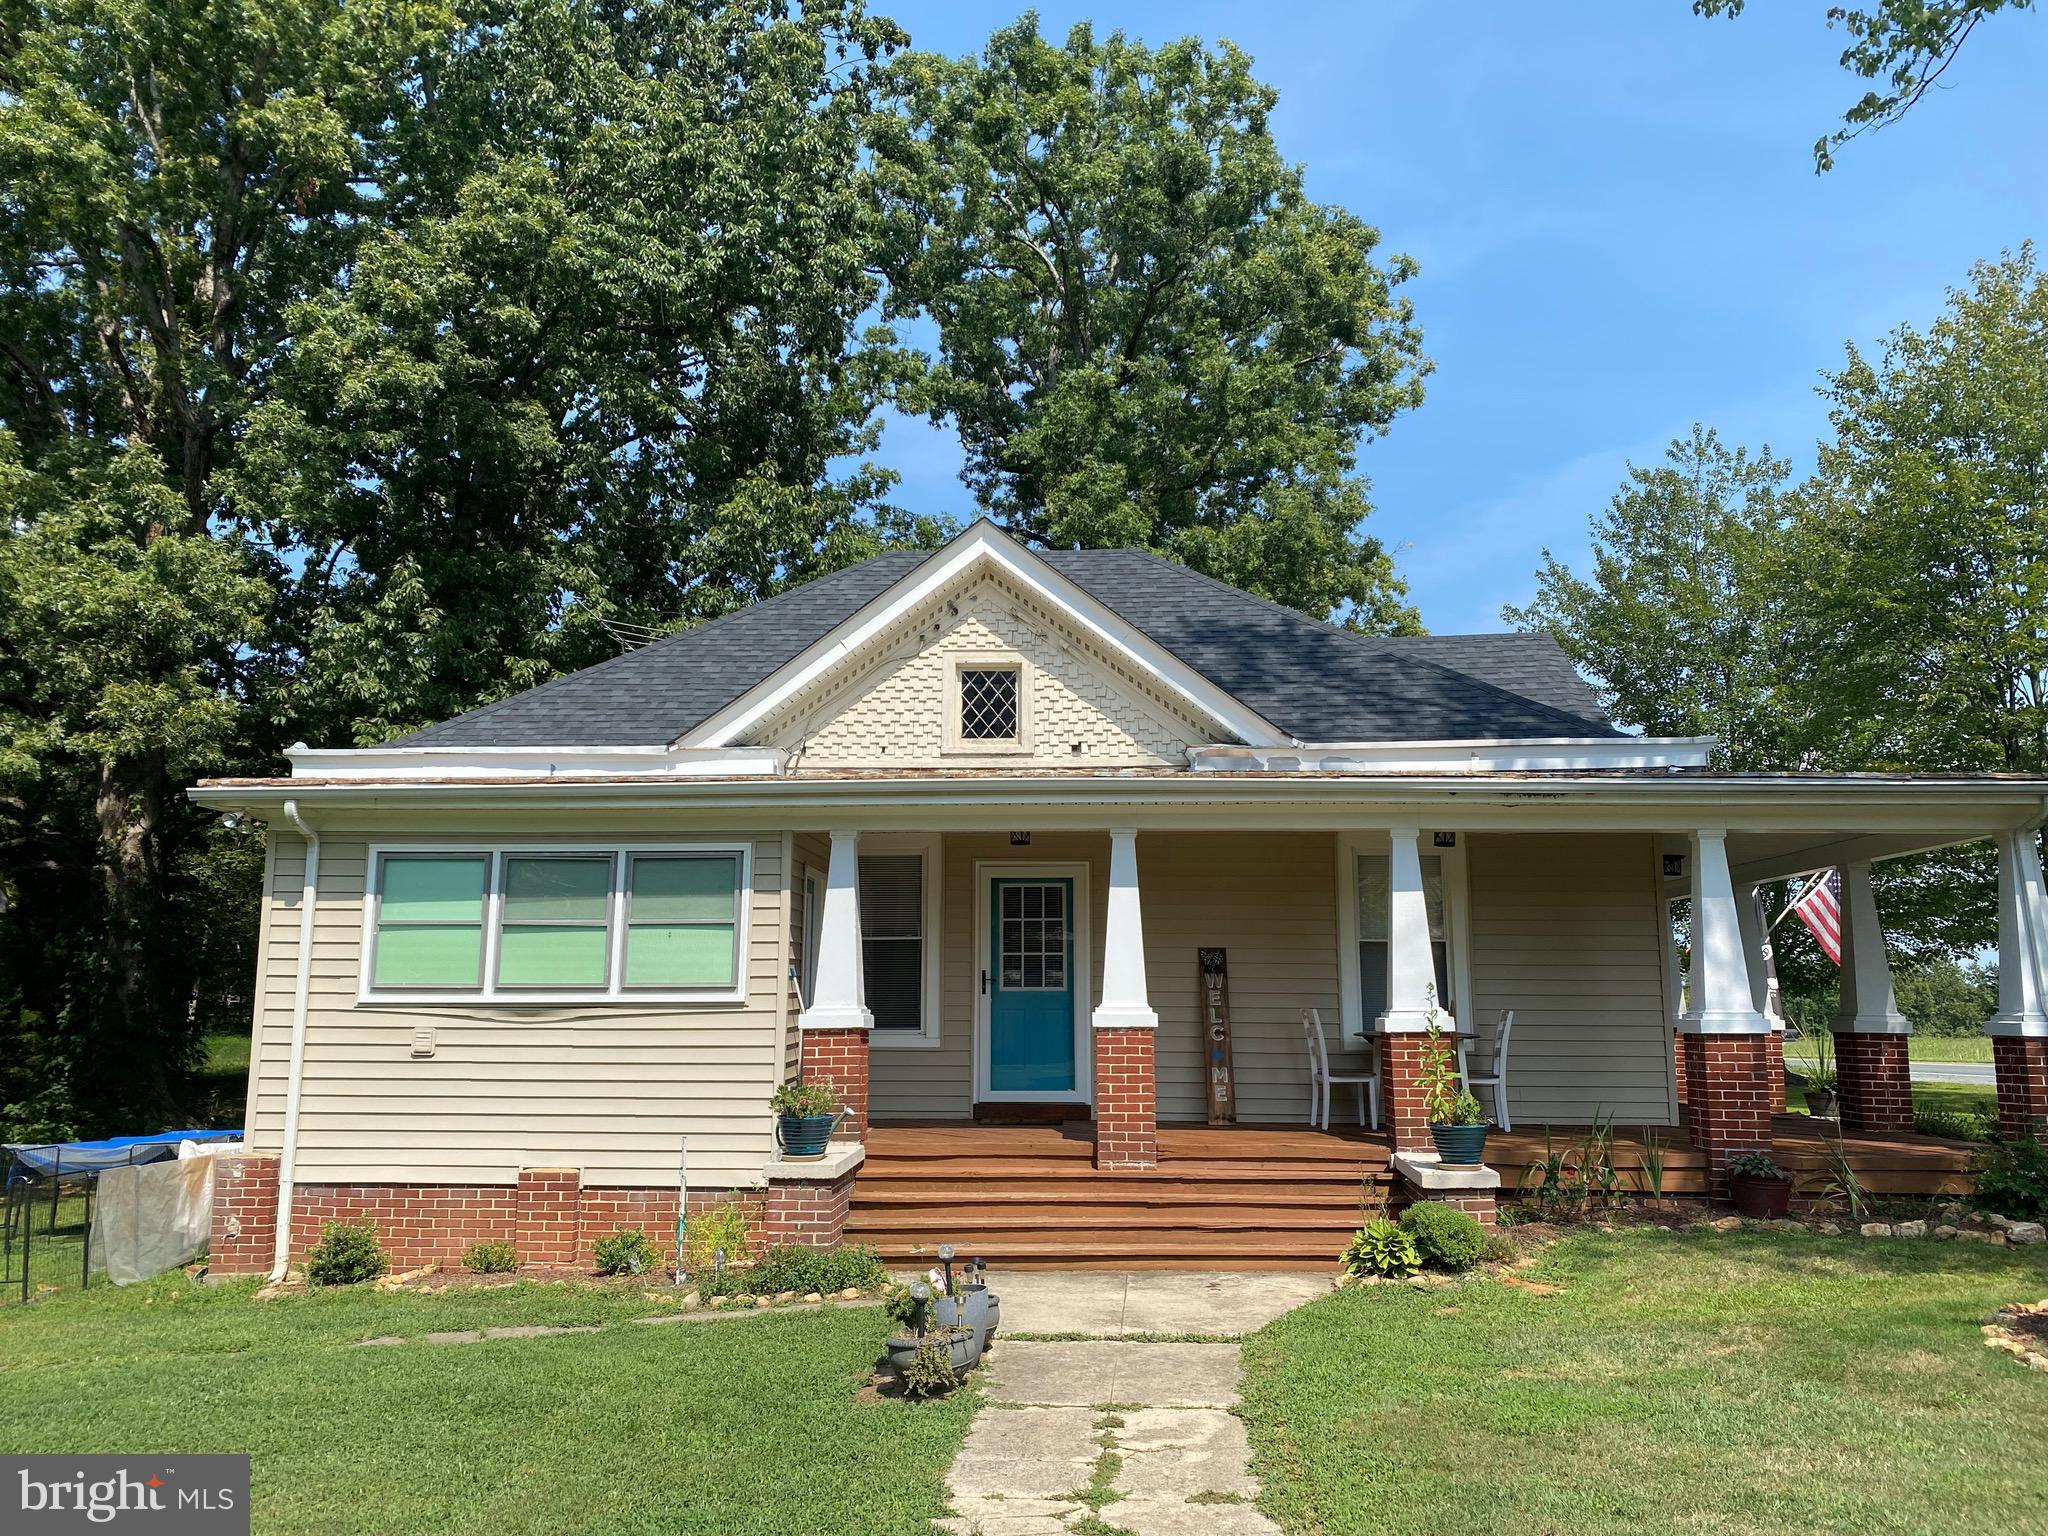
(1975, 1048)
(1965, 1097)
(729, 1427)
(1680, 1382)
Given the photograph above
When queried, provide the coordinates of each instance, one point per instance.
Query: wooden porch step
(1078, 1192)
(1132, 1248)
(1040, 1219)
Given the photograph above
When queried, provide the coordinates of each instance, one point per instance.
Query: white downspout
(288, 1155)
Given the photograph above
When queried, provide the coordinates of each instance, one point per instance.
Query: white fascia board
(983, 541)
(527, 764)
(1548, 754)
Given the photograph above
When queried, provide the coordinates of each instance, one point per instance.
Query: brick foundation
(1126, 1099)
(1478, 1203)
(1874, 1083)
(2021, 1068)
(1774, 1062)
(549, 1215)
(1678, 1060)
(1728, 1107)
(1401, 1096)
(840, 1057)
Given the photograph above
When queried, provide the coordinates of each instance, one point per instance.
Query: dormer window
(990, 706)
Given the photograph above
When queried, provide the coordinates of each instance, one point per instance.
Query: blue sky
(1619, 230)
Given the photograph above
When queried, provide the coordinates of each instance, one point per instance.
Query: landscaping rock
(1875, 1229)
(2026, 1232)
(813, 1297)
(783, 1298)
(761, 1302)
(1829, 1229)
(1910, 1229)
(1726, 1224)
(382, 1341)
(690, 1301)
(851, 1293)
(1945, 1231)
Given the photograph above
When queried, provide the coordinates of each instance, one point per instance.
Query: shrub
(930, 1373)
(1757, 1165)
(491, 1258)
(347, 1254)
(1445, 1236)
(1380, 1247)
(804, 1099)
(2012, 1180)
(1499, 1248)
(624, 1253)
(728, 1225)
(1955, 1124)
(816, 1269)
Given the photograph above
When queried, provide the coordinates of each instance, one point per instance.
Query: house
(951, 830)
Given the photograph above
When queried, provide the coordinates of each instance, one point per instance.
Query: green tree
(1147, 333)
(596, 363)
(1673, 624)
(1907, 45)
(174, 175)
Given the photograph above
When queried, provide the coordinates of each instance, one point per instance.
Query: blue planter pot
(1459, 1143)
(805, 1135)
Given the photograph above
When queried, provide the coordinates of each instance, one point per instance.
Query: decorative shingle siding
(1084, 706)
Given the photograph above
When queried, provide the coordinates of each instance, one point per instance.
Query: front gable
(900, 700)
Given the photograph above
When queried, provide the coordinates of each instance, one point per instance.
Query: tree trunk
(129, 806)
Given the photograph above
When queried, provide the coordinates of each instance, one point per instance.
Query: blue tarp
(63, 1157)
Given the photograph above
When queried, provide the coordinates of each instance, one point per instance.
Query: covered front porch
(1243, 1196)
(1555, 906)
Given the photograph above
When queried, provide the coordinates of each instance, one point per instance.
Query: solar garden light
(946, 1252)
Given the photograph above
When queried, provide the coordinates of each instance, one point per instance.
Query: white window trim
(814, 922)
(987, 871)
(932, 848)
(1457, 921)
(613, 993)
(958, 743)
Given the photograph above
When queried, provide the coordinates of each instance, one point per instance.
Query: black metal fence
(46, 1222)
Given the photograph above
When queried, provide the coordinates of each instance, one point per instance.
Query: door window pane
(430, 920)
(1033, 954)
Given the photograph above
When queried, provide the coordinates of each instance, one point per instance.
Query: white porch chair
(1496, 1076)
(1320, 1078)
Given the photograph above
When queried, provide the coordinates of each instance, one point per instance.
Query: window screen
(430, 920)
(682, 920)
(556, 921)
(892, 938)
(1375, 896)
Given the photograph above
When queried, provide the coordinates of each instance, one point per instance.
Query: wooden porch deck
(1238, 1196)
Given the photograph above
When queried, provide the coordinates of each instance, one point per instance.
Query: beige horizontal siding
(1569, 932)
(610, 1088)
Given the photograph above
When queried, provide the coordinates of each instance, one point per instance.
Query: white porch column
(2022, 941)
(839, 999)
(1411, 965)
(1869, 1006)
(1721, 1002)
(1124, 1001)
(1755, 955)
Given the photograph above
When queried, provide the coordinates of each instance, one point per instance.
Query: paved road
(1977, 1074)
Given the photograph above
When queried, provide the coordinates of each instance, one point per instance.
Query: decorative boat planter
(1760, 1197)
(973, 1309)
(902, 1349)
(804, 1135)
(1459, 1143)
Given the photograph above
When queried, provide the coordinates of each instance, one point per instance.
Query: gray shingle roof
(1312, 679)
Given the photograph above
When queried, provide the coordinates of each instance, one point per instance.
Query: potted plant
(1759, 1186)
(806, 1113)
(927, 1350)
(1820, 1078)
(1456, 1122)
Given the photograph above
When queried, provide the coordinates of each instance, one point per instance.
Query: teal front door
(1030, 984)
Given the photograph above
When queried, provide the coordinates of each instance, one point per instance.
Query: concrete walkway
(1137, 1434)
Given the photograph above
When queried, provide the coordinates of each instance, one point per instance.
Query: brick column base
(1126, 1098)
(1774, 1062)
(1480, 1204)
(1728, 1109)
(1401, 1097)
(807, 1213)
(2021, 1068)
(548, 1215)
(1678, 1061)
(1874, 1083)
(840, 1057)
(244, 1238)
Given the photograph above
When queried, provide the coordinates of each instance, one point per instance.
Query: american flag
(1820, 907)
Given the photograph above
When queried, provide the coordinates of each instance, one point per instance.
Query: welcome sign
(161, 1495)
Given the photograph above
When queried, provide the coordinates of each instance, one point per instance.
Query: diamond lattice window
(988, 704)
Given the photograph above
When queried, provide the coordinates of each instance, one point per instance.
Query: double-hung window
(555, 924)
(1367, 912)
(899, 898)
